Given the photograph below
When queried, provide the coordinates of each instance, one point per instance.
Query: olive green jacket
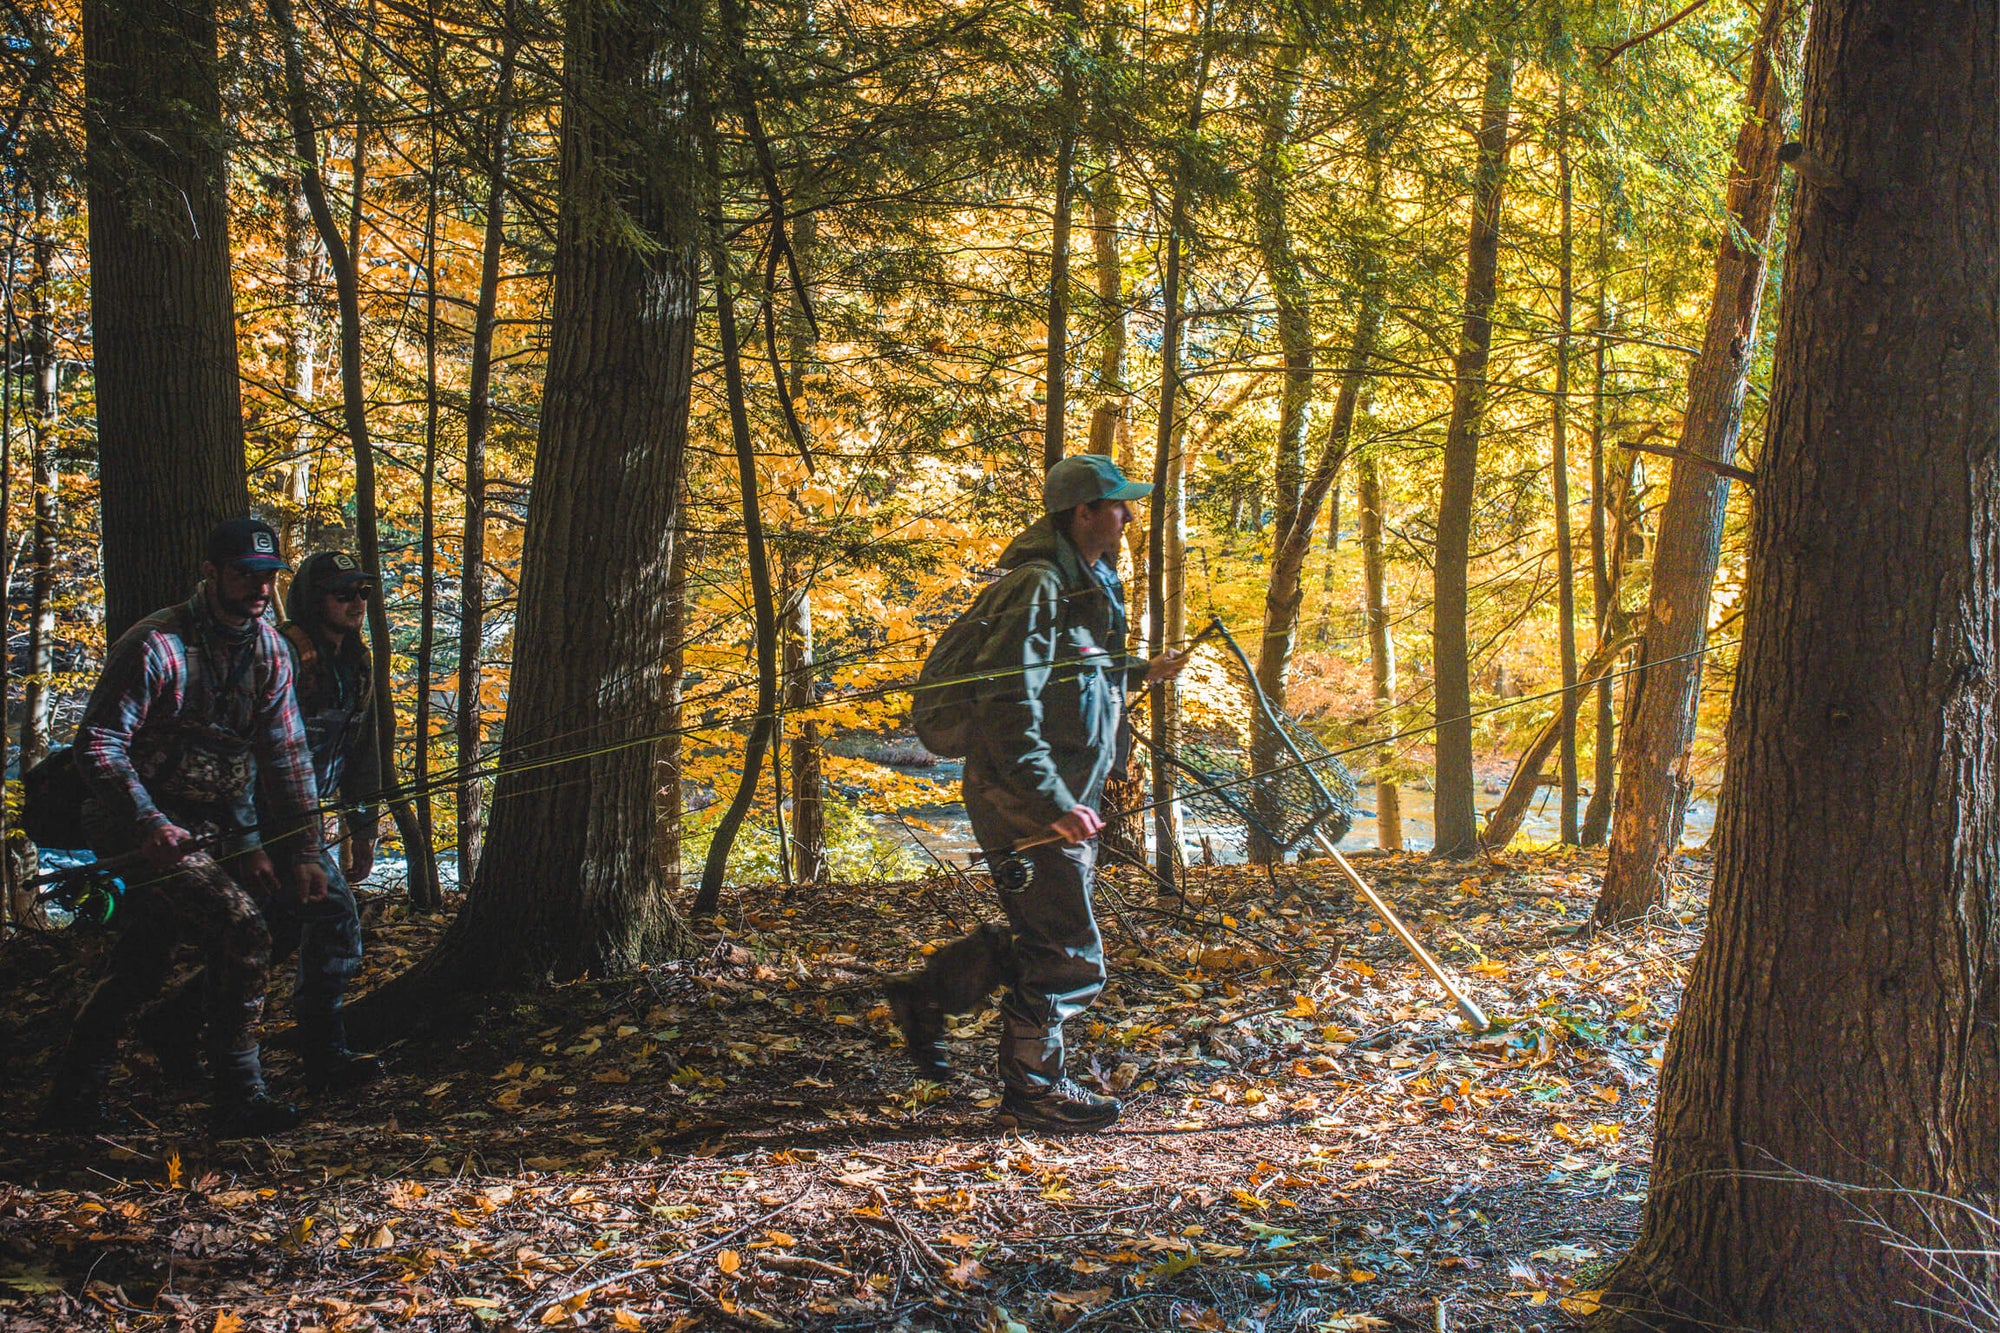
(1052, 704)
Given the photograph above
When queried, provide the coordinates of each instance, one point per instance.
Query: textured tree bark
(1653, 781)
(1381, 646)
(163, 322)
(1109, 414)
(478, 422)
(1161, 702)
(1285, 592)
(1123, 838)
(569, 883)
(1597, 815)
(44, 416)
(1559, 467)
(301, 354)
(763, 604)
(801, 687)
(424, 798)
(340, 257)
(1831, 1084)
(1295, 343)
(1457, 834)
(1293, 528)
(1055, 371)
(808, 832)
(668, 804)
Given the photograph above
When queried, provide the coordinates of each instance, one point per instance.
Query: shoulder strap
(305, 677)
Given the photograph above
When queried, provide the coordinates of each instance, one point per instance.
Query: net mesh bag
(1248, 772)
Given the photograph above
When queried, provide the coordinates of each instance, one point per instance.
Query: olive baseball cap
(247, 544)
(1082, 478)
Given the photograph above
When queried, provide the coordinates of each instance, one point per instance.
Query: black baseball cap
(248, 545)
(330, 571)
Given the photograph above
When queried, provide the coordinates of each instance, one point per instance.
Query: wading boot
(1063, 1106)
(921, 1020)
(243, 1108)
(330, 1066)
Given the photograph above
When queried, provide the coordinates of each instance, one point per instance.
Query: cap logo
(262, 543)
(344, 562)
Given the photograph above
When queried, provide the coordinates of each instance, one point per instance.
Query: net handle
(1467, 1007)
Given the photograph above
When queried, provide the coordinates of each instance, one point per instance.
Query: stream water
(949, 834)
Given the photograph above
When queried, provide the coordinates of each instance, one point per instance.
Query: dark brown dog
(960, 978)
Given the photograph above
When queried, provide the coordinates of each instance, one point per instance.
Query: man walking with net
(1048, 705)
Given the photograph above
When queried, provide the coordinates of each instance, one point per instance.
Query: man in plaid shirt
(194, 704)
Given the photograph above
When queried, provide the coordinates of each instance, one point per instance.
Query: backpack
(942, 702)
(52, 797)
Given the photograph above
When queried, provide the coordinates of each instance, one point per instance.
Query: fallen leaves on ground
(1312, 1140)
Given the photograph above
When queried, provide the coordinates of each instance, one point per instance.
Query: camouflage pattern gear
(326, 935)
(189, 709)
(199, 902)
(186, 712)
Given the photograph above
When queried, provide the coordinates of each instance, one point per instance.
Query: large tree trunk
(163, 322)
(1830, 1086)
(569, 882)
(340, 257)
(1457, 833)
(1381, 650)
(1653, 781)
(478, 419)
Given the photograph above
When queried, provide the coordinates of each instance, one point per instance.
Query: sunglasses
(349, 594)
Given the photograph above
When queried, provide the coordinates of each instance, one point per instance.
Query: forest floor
(1311, 1141)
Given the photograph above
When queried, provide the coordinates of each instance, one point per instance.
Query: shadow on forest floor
(737, 1141)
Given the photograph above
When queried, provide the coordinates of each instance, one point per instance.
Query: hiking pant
(327, 935)
(1058, 952)
(327, 938)
(198, 902)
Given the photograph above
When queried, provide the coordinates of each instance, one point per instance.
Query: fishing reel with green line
(89, 893)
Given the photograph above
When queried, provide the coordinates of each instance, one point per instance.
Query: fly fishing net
(1250, 776)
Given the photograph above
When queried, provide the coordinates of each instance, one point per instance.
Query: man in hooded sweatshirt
(1049, 726)
(326, 612)
(194, 707)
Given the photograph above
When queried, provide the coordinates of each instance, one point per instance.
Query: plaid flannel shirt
(145, 688)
